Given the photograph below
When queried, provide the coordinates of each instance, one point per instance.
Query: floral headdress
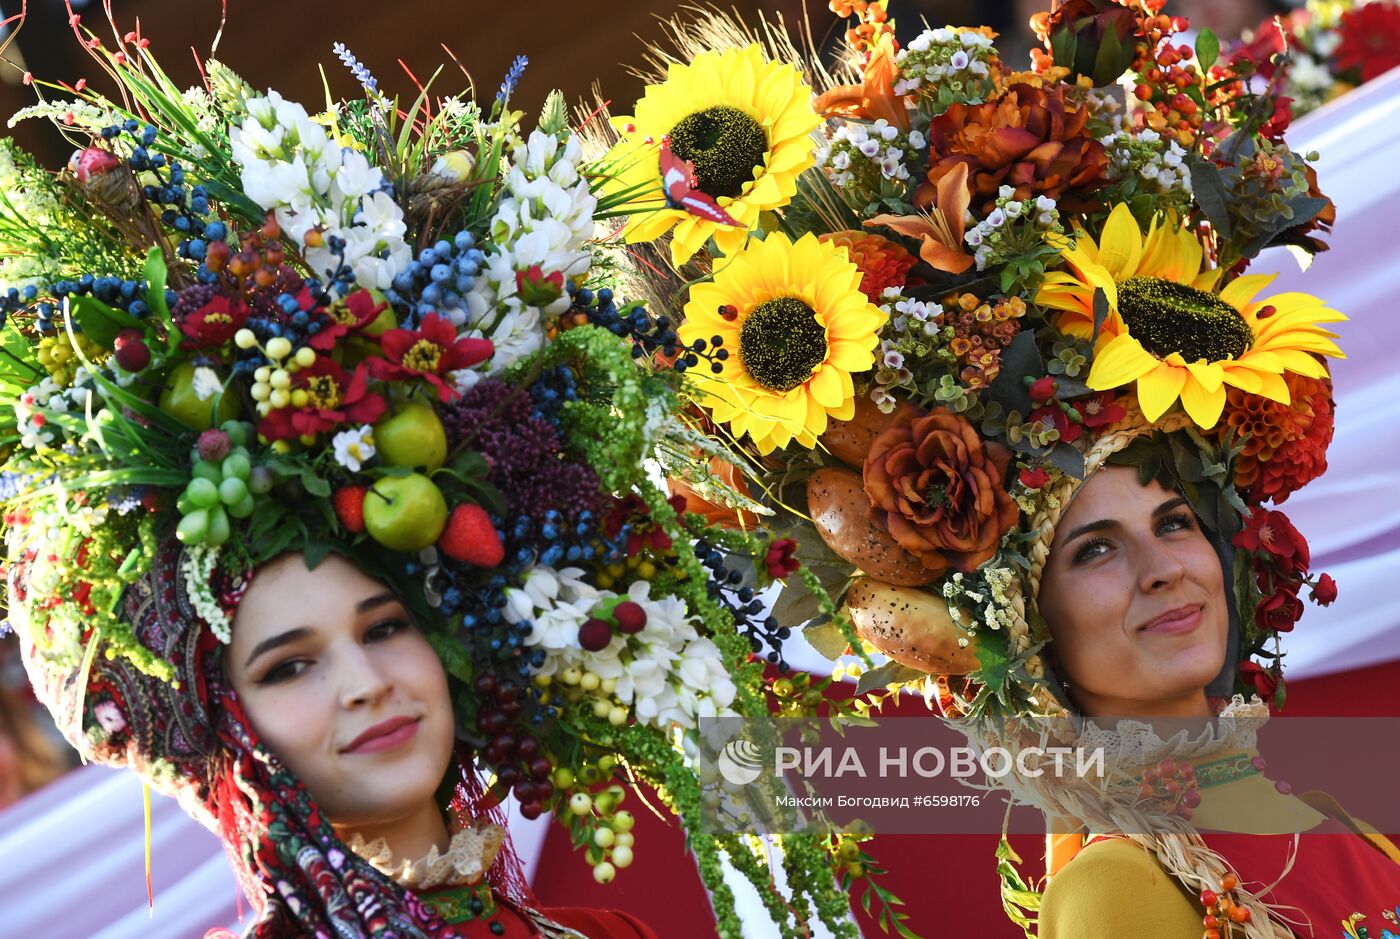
(234, 328)
(991, 283)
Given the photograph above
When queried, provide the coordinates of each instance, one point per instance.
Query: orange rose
(940, 490)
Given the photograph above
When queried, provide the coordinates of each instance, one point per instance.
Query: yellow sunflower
(745, 123)
(794, 326)
(1172, 332)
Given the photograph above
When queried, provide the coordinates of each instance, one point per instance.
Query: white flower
(109, 717)
(958, 60)
(354, 448)
(869, 147)
(917, 140)
(206, 383)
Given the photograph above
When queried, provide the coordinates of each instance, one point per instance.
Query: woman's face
(1134, 596)
(339, 684)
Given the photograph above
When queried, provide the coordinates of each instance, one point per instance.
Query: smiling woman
(350, 693)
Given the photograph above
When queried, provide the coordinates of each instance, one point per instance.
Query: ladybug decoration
(678, 182)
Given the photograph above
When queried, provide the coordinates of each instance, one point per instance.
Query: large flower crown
(387, 330)
(992, 283)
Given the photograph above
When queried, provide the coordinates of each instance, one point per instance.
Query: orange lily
(941, 229)
(873, 98)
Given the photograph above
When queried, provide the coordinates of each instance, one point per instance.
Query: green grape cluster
(219, 490)
(599, 823)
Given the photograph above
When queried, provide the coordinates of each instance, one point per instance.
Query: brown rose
(940, 490)
(1030, 138)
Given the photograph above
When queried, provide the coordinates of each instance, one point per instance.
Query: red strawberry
(470, 537)
(350, 507)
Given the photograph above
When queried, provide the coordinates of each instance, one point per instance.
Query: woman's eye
(284, 671)
(1090, 550)
(1177, 522)
(385, 630)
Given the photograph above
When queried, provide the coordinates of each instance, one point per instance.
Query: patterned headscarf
(190, 739)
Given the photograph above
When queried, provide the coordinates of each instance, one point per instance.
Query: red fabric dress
(460, 913)
(1341, 884)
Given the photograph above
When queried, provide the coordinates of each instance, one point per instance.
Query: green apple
(385, 321)
(413, 436)
(405, 513)
(180, 402)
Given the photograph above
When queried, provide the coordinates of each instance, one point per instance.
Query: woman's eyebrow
(273, 642)
(370, 603)
(1170, 504)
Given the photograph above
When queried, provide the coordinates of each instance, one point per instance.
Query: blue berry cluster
(439, 278)
(648, 336)
(554, 388)
(183, 207)
(116, 292)
(726, 587)
(512, 79)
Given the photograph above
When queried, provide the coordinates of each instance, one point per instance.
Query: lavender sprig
(356, 67)
(517, 69)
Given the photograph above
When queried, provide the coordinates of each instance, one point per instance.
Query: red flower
(1324, 591)
(1271, 533)
(1055, 416)
(781, 559)
(536, 289)
(1279, 612)
(428, 353)
(1278, 122)
(1368, 40)
(882, 263)
(351, 315)
(1265, 682)
(212, 324)
(1034, 478)
(1099, 410)
(333, 398)
(1042, 390)
(634, 512)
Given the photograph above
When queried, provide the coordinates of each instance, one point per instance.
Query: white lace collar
(466, 860)
(1136, 743)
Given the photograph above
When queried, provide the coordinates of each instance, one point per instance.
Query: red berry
(508, 775)
(544, 789)
(471, 538)
(595, 634)
(484, 685)
(349, 505)
(213, 445)
(132, 353)
(525, 791)
(491, 722)
(540, 767)
(527, 747)
(531, 810)
(1209, 898)
(631, 618)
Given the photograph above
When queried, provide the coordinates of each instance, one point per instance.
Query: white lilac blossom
(955, 60)
(290, 166)
(1159, 164)
(544, 220)
(1010, 226)
(667, 674)
(869, 160)
(197, 566)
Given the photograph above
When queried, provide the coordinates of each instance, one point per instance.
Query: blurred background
(74, 850)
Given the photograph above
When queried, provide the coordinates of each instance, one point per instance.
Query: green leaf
(1303, 209)
(155, 273)
(1210, 193)
(1063, 47)
(314, 484)
(1100, 310)
(1207, 48)
(993, 662)
(826, 637)
(891, 673)
(99, 321)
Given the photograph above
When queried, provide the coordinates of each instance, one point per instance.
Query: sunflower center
(724, 144)
(1168, 317)
(781, 343)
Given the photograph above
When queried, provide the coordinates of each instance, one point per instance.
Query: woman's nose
(363, 681)
(1158, 566)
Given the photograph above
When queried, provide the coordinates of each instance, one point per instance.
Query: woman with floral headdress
(324, 492)
(997, 371)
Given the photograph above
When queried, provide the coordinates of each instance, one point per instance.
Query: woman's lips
(384, 736)
(1175, 622)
